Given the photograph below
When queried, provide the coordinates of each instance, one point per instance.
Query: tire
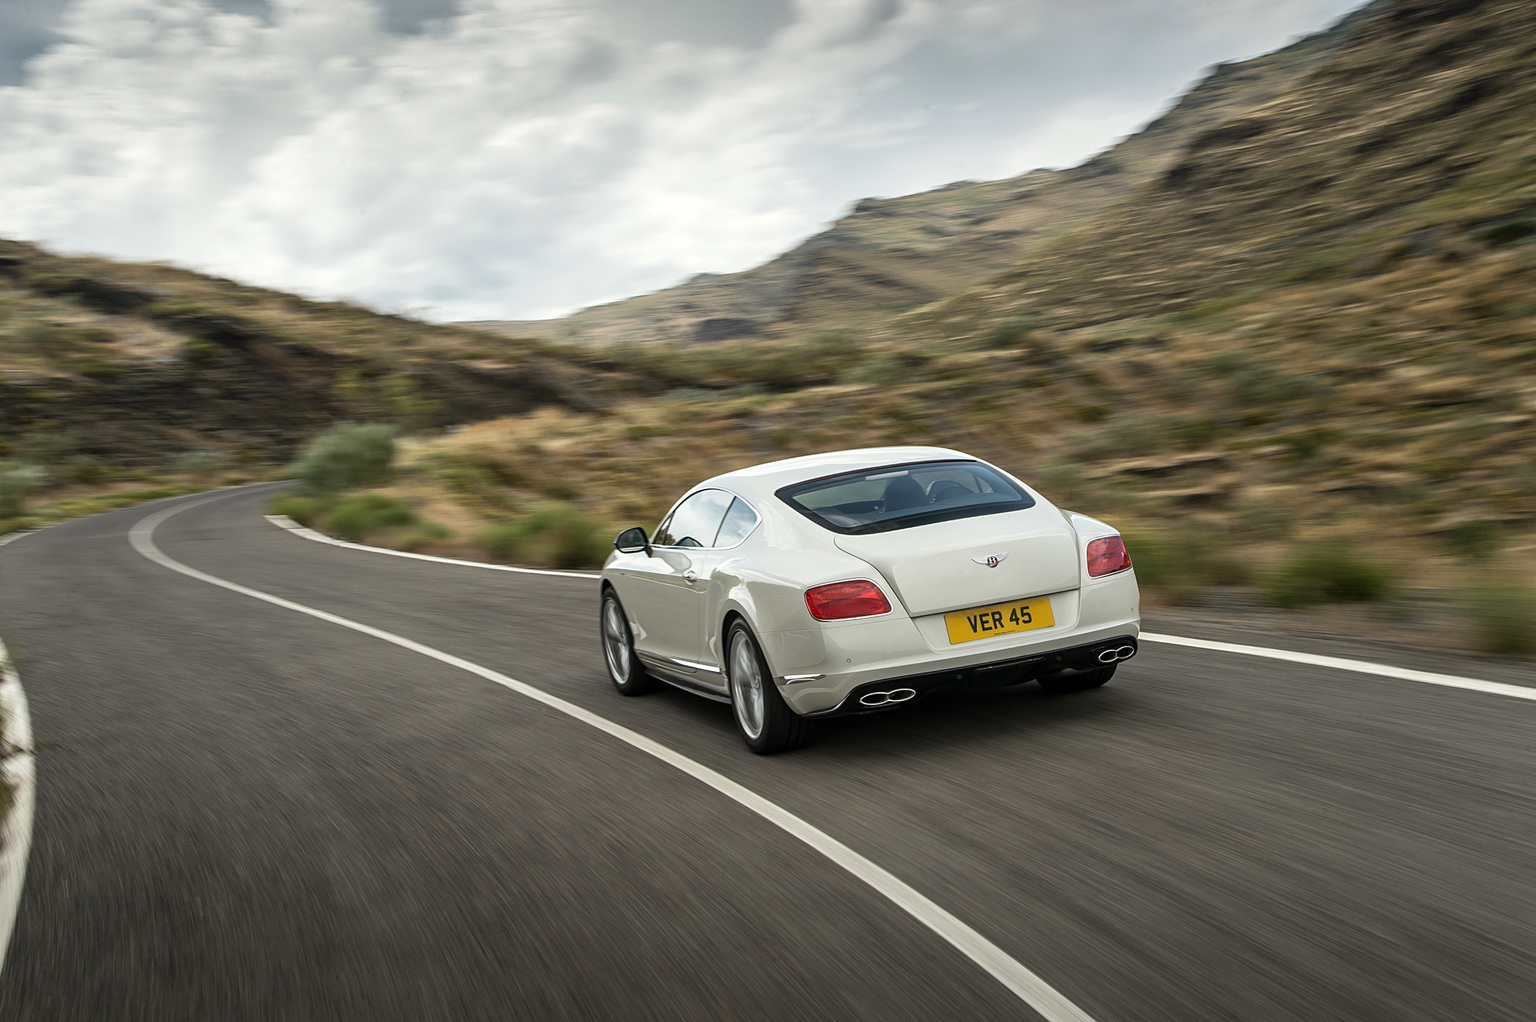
(624, 668)
(763, 719)
(1064, 683)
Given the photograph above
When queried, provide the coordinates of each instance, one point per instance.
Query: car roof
(759, 481)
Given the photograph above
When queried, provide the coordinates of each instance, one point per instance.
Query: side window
(695, 521)
(738, 522)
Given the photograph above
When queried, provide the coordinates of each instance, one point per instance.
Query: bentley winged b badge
(991, 560)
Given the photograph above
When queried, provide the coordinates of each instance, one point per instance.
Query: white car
(857, 581)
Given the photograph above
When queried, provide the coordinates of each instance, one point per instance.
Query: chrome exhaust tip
(1110, 656)
(886, 698)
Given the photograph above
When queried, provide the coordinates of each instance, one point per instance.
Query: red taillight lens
(1107, 556)
(841, 600)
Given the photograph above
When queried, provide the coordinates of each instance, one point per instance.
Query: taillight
(1107, 556)
(839, 600)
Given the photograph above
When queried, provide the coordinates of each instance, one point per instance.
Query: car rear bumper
(875, 696)
(819, 671)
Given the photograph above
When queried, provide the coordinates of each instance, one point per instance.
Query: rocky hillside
(135, 365)
(1308, 341)
(893, 254)
(1416, 137)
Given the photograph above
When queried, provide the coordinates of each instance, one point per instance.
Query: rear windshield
(900, 496)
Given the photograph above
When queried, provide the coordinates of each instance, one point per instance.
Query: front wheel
(763, 718)
(1064, 683)
(624, 668)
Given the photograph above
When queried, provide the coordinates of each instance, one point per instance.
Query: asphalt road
(244, 812)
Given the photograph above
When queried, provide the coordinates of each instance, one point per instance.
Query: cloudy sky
(469, 159)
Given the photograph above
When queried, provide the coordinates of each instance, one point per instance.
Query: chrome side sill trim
(665, 662)
(793, 679)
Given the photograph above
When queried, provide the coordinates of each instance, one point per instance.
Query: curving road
(247, 812)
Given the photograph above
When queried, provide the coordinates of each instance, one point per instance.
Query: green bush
(10, 525)
(359, 517)
(425, 535)
(302, 509)
(883, 369)
(17, 483)
(201, 464)
(89, 472)
(1181, 564)
(1474, 540)
(505, 541)
(1009, 332)
(1503, 619)
(42, 338)
(1508, 232)
(561, 536)
(1327, 572)
(347, 456)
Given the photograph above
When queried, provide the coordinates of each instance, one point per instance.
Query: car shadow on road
(944, 719)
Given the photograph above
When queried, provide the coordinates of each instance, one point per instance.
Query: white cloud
(524, 158)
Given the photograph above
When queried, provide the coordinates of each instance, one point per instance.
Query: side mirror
(632, 541)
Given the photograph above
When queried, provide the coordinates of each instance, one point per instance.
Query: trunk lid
(943, 566)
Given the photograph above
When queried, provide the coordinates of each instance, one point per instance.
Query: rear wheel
(763, 718)
(1064, 683)
(624, 668)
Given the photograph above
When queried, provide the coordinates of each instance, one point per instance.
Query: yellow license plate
(999, 619)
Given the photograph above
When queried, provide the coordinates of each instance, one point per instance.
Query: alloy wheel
(616, 641)
(747, 697)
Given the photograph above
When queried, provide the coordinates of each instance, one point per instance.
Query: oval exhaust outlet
(895, 695)
(1109, 656)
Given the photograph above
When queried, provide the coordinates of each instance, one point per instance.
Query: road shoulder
(18, 779)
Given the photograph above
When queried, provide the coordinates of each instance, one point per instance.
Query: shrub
(1263, 519)
(883, 369)
(50, 447)
(1325, 573)
(88, 472)
(17, 483)
(347, 456)
(197, 351)
(487, 460)
(1474, 540)
(427, 534)
(1009, 332)
(201, 464)
(1508, 232)
(304, 510)
(359, 517)
(561, 536)
(1503, 619)
(42, 338)
(505, 541)
(1181, 564)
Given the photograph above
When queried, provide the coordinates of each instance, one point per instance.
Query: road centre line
(1264, 652)
(1027, 986)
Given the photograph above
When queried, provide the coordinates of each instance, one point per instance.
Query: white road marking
(284, 522)
(1265, 652)
(1029, 987)
(19, 772)
(1496, 688)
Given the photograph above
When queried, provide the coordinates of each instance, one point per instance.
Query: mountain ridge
(891, 254)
